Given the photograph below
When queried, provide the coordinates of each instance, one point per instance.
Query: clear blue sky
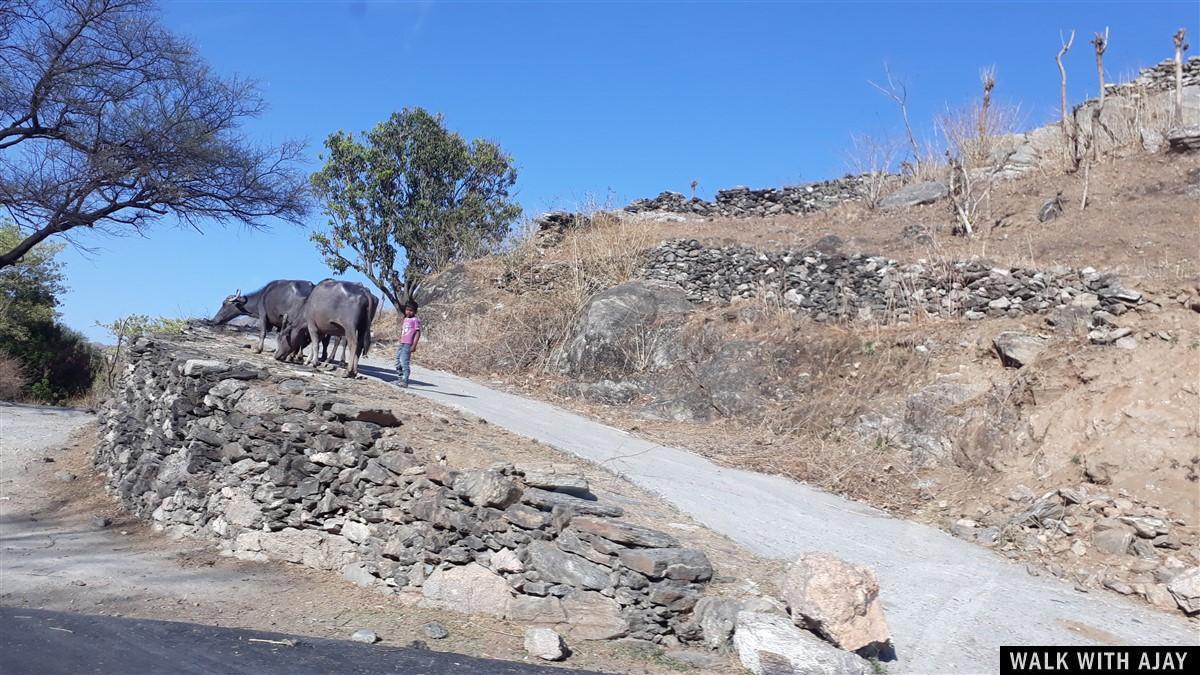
(596, 100)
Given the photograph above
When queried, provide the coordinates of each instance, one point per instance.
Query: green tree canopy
(415, 186)
(55, 362)
(29, 289)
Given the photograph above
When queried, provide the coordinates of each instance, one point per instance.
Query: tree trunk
(1180, 46)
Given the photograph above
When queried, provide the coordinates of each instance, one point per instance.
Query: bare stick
(1062, 73)
(1100, 42)
(987, 77)
(1180, 48)
(1086, 176)
(899, 93)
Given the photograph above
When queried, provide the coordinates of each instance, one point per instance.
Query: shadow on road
(39, 641)
(390, 376)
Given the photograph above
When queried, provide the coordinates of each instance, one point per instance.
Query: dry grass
(12, 379)
(534, 296)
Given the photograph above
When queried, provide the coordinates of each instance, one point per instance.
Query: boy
(410, 336)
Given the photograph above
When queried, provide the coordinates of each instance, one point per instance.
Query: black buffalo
(271, 305)
(333, 308)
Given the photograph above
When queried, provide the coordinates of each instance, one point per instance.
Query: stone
(243, 511)
(257, 401)
(643, 312)
(486, 488)
(435, 631)
(591, 616)
(769, 644)
(470, 589)
(717, 618)
(672, 563)
(365, 635)
(558, 566)
(1185, 588)
(506, 560)
(542, 611)
(526, 517)
(359, 574)
(1114, 542)
(554, 480)
(914, 195)
(624, 533)
(356, 532)
(1017, 349)
(835, 599)
(203, 367)
(546, 500)
(1184, 139)
(64, 476)
(380, 416)
(101, 521)
(545, 644)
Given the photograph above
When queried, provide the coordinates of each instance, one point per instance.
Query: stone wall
(277, 468)
(742, 202)
(835, 286)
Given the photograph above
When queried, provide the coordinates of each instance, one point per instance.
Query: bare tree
(1100, 42)
(872, 158)
(899, 94)
(1062, 73)
(987, 77)
(1180, 48)
(109, 121)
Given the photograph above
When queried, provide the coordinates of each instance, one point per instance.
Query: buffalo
(333, 309)
(271, 305)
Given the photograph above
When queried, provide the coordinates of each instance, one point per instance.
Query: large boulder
(628, 328)
(1185, 588)
(914, 195)
(1017, 349)
(769, 644)
(837, 600)
(470, 588)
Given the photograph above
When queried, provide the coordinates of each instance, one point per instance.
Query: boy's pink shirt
(409, 330)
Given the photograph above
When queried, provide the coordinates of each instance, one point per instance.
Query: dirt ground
(55, 555)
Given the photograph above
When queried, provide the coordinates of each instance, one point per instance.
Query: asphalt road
(38, 641)
(950, 604)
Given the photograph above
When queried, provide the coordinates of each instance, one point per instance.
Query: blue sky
(600, 101)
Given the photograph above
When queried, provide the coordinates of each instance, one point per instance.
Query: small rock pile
(1094, 539)
(275, 467)
(553, 226)
(839, 287)
(743, 202)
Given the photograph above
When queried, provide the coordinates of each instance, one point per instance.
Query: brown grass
(535, 296)
(12, 379)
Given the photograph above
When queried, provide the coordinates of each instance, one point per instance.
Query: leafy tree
(55, 362)
(29, 289)
(109, 121)
(126, 328)
(416, 186)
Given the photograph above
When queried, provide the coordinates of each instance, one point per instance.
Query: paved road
(950, 604)
(37, 641)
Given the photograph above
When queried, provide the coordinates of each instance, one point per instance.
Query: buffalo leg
(315, 341)
(351, 338)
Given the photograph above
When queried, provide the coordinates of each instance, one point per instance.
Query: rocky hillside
(966, 382)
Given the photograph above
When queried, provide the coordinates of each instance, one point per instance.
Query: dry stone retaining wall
(743, 202)
(836, 286)
(277, 469)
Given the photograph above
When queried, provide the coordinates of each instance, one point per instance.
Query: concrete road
(36, 641)
(950, 604)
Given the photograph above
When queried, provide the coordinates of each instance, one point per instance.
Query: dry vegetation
(528, 298)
